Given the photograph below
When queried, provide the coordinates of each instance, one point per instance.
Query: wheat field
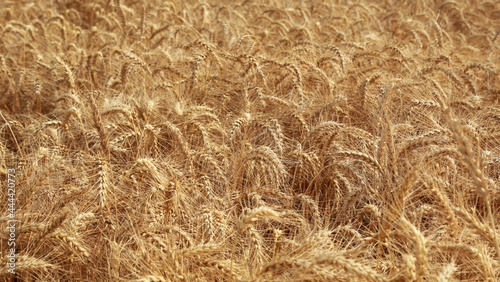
(255, 140)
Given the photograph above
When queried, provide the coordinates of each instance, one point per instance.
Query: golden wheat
(251, 141)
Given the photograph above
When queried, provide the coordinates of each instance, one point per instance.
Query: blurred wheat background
(252, 140)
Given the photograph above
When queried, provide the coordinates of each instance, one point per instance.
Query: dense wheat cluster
(264, 140)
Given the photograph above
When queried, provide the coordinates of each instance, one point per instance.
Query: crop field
(250, 140)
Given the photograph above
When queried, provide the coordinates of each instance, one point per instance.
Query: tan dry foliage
(252, 140)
